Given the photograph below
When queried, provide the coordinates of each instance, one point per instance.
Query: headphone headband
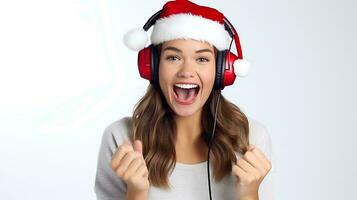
(233, 33)
(151, 21)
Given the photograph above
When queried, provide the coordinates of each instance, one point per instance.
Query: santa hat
(182, 19)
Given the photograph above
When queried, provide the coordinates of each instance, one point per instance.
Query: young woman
(183, 123)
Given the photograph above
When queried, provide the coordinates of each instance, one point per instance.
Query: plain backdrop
(65, 75)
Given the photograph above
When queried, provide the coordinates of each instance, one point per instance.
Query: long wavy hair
(153, 123)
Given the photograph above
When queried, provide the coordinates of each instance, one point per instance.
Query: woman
(161, 152)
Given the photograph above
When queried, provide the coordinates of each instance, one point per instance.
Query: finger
(133, 166)
(254, 161)
(142, 171)
(138, 146)
(119, 154)
(251, 147)
(245, 165)
(261, 156)
(124, 163)
(239, 172)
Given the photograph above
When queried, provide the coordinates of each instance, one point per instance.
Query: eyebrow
(180, 51)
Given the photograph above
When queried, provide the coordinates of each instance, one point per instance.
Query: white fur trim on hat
(136, 39)
(188, 26)
(241, 67)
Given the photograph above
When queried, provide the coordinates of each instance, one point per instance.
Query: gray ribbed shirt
(188, 181)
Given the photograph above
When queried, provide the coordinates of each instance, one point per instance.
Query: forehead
(188, 44)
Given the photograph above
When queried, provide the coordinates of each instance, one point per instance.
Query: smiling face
(186, 74)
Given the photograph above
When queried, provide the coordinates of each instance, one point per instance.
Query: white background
(65, 75)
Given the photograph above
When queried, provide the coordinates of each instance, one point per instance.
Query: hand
(129, 164)
(250, 171)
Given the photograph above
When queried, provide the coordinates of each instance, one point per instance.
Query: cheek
(165, 75)
(208, 77)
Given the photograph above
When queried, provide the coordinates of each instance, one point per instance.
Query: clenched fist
(250, 171)
(129, 164)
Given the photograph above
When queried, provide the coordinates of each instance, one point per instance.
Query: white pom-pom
(241, 67)
(136, 39)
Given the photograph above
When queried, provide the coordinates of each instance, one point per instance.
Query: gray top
(188, 181)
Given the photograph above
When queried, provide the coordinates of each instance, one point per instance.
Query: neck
(189, 129)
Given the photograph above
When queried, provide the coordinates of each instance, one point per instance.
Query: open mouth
(186, 93)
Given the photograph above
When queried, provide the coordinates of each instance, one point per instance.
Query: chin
(186, 112)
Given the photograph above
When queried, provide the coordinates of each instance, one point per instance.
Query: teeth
(186, 86)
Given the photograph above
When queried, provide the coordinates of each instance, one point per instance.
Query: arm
(261, 189)
(129, 164)
(266, 189)
(108, 186)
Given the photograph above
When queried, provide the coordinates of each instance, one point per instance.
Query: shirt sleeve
(260, 137)
(108, 186)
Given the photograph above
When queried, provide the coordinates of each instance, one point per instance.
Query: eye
(202, 59)
(172, 58)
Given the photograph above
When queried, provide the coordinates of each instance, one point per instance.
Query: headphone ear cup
(148, 63)
(220, 64)
(154, 64)
(144, 63)
(228, 74)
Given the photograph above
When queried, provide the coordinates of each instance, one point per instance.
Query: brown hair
(154, 125)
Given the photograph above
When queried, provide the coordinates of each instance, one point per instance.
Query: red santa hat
(182, 19)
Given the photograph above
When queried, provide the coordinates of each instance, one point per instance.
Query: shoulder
(257, 131)
(259, 136)
(117, 131)
(123, 124)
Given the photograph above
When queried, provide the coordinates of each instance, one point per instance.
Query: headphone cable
(214, 129)
(210, 143)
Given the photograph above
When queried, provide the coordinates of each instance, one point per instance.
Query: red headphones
(148, 58)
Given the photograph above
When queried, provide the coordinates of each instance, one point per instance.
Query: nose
(185, 74)
(186, 70)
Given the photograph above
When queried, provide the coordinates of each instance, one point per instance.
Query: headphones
(148, 58)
